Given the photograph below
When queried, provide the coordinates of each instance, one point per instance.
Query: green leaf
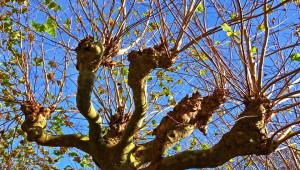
(124, 71)
(51, 5)
(6, 82)
(84, 162)
(200, 8)
(153, 25)
(67, 23)
(52, 32)
(22, 80)
(171, 100)
(172, 40)
(115, 72)
(226, 28)
(52, 64)
(194, 90)
(57, 8)
(78, 19)
(179, 81)
(150, 78)
(51, 25)
(105, 131)
(253, 50)
(136, 32)
(233, 16)
(261, 27)
(47, 2)
(37, 61)
(230, 34)
(295, 57)
(203, 72)
(177, 147)
(204, 146)
(72, 154)
(38, 27)
(25, 3)
(169, 79)
(194, 141)
(54, 6)
(145, 14)
(166, 153)
(57, 152)
(203, 56)
(229, 31)
(153, 123)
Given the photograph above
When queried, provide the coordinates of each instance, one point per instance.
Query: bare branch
(281, 140)
(288, 127)
(267, 86)
(287, 107)
(125, 50)
(185, 23)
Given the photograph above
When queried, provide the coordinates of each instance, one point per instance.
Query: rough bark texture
(36, 122)
(117, 149)
(247, 137)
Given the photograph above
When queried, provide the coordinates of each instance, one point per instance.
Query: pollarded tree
(221, 78)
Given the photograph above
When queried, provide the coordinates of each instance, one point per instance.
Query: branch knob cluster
(35, 119)
(89, 54)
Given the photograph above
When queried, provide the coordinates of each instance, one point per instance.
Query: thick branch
(210, 104)
(190, 113)
(89, 56)
(143, 153)
(176, 125)
(38, 135)
(36, 122)
(209, 158)
(141, 65)
(247, 137)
